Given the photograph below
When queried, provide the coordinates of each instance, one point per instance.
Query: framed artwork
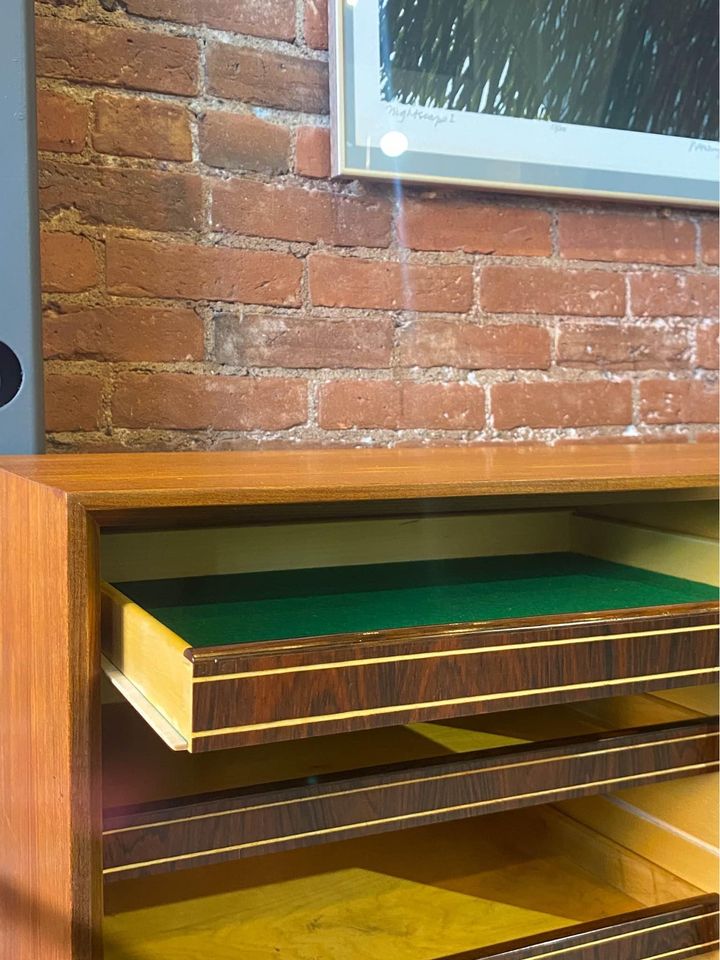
(603, 98)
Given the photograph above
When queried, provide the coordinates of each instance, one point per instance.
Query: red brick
(72, 402)
(678, 401)
(148, 199)
(559, 404)
(514, 289)
(442, 406)
(139, 127)
(135, 59)
(267, 78)
(62, 122)
(475, 227)
(639, 239)
(127, 333)
(269, 18)
(385, 404)
(181, 401)
(298, 342)
(707, 347)
(240, 141)
(709, 237)
(183, 270)
(68, 263)
(294, 213)
(667, 294)
(438, 343)
(388, 285)
(315, 24)
(312, 152)
(622, 347)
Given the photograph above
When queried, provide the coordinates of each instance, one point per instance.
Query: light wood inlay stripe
(399, 818)
(500, 648)
(434, 779)
(429, 705)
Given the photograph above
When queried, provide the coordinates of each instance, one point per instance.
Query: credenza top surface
(126, 481)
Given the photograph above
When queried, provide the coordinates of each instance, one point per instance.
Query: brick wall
(207, 285)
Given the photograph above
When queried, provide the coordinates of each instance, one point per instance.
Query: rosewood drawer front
(542, 882)
(225, 661)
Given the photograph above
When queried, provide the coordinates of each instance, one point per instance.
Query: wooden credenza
(404, 704)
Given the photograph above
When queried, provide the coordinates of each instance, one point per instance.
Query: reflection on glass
(644, 65)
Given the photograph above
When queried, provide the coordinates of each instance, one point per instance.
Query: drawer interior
(419, 894)
(226, 609)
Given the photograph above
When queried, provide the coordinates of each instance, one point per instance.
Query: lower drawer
(534, 883)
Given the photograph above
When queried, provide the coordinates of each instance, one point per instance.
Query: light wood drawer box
(590, 607)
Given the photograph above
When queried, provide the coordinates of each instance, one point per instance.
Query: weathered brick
(294, 213)
(267, 78)
(640, 239)
(663, 293)
(178, 401)
(127, 333)
(561, 404)
(135, 59)
(270, 18)
(707, 346)
(240, 141)
(148, 199)
(312, 152)
(68, 263)
(475, 227)
(678, 401)
(623, 347)
(442, 406)
(62, 122)
(385, 404)
(438, 343)
(544, 290)
(140, 127)
(709, 237)
(315, 24)
(302, 342)
(72, 402)
(183, 270)
(388, 285)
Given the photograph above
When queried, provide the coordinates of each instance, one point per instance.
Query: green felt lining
(281, 605)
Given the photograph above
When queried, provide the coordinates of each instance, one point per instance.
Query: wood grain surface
(114, 482)
(50, 857)
(158, 837)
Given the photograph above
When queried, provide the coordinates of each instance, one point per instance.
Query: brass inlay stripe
(417, 780)
(431, 654)
(638, 933)
(398, 818)
(429, 705)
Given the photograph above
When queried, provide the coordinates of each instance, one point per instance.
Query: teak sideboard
(415, 704)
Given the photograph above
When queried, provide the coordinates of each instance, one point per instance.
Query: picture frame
(378, 132)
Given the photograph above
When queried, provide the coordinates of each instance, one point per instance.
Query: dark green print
(643, 65)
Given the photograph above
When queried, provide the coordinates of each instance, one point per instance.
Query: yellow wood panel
(679, 555)
(696, 517)
(681, 852)
(415, 895)
(150, 656)
(293, 546)
(703, 699)
(691, 805)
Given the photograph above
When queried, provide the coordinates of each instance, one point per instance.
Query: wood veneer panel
(50, 873)
(278, 691)
(112, 483)
(158, 837)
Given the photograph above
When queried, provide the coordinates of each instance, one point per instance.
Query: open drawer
(544, 882)
(167, 811)
(220, 661)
